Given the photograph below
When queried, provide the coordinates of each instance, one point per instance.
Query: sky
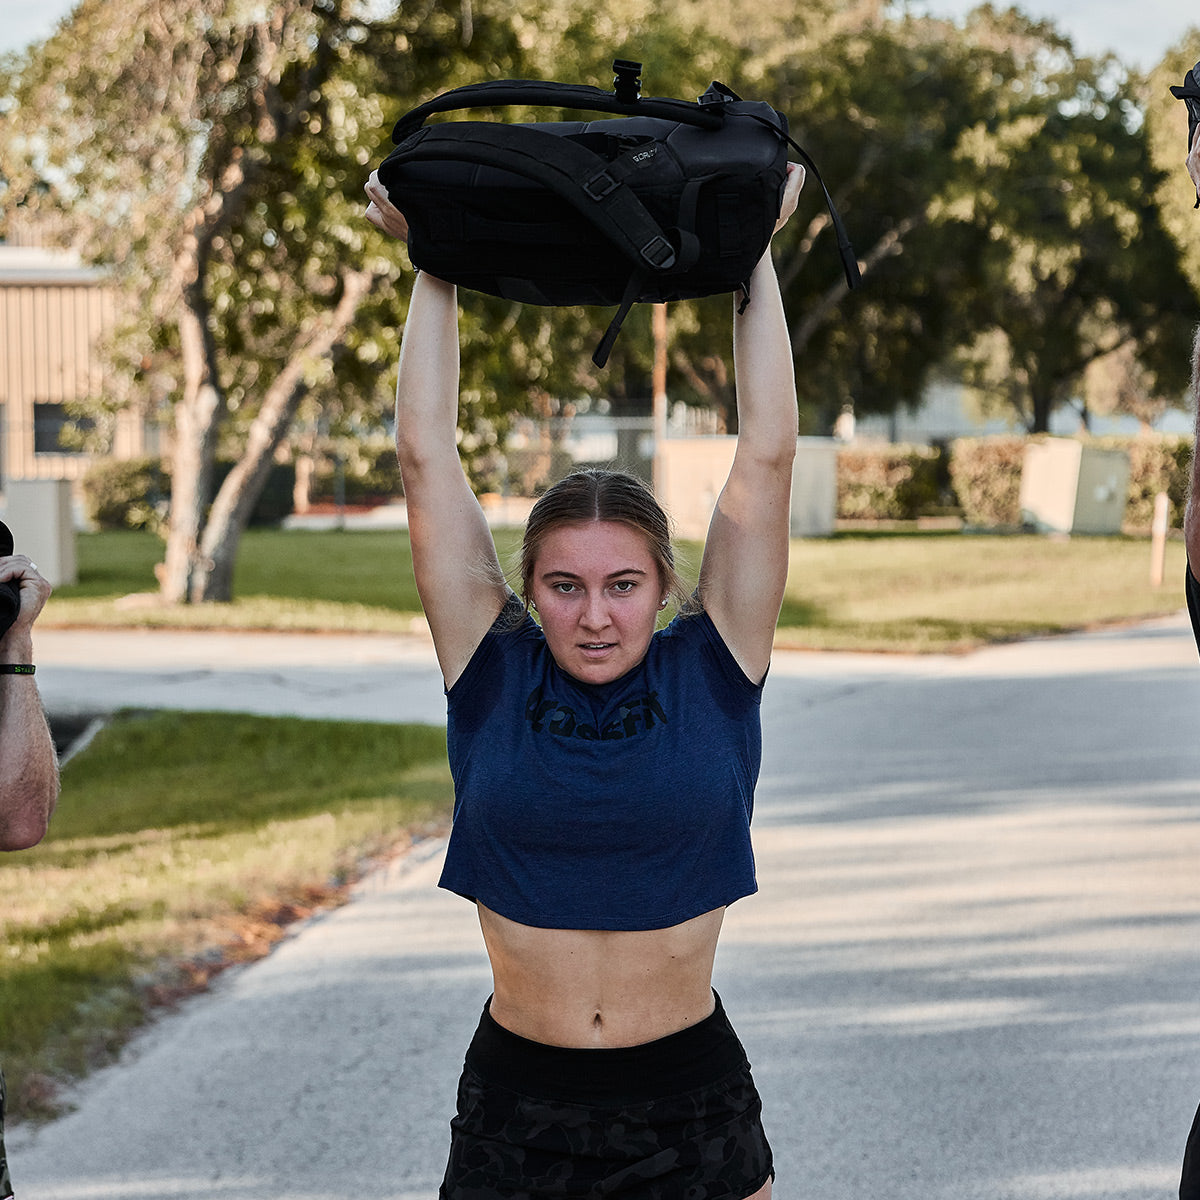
(1139, 32)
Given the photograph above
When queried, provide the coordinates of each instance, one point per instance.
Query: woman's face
(597, 589)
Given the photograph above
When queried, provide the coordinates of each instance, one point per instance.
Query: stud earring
(663, 602)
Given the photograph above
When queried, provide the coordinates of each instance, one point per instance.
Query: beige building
(53, 312)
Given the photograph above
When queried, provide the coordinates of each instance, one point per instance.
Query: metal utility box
(38, 511)
(689, 474)
(1069, 487)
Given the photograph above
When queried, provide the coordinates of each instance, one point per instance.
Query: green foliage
(126, 494)
(1077, 261)
(986, 474)
(134, 493)
(888, 482)
(997, 188)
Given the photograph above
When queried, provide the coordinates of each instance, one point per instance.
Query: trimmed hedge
(1156, 464)
(135, 493)
(888, 483)
(127, 493)
(986, 476)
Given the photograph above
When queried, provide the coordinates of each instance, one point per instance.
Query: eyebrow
(610, 575)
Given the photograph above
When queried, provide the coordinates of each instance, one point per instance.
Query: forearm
(28, 763)
(428, 377)
(1191, 519)
(763, 369)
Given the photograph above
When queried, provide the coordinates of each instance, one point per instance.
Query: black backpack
(1189, 93)
(673, 201)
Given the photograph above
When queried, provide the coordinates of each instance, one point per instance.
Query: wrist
(16, 648)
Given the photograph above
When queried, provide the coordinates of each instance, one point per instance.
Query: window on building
(55, 431)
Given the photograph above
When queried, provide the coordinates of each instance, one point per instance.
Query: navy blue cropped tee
(623, 805)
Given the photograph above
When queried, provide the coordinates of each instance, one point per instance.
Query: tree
(1078, 261)
(213, 154)
(882, 104)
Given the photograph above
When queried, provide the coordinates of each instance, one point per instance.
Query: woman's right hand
(381, 212)
(791, 195)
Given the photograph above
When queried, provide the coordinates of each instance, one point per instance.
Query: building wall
(53, 313)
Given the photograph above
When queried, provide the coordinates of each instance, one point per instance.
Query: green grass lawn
(166, 861)
(894, 592)
(954, 592)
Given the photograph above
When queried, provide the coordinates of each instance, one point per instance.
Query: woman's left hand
(791, 195)
(381, 212)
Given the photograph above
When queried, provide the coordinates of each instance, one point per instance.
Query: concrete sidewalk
(361, 677)
(971, 972)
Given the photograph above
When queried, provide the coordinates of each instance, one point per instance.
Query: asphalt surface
(972, 970)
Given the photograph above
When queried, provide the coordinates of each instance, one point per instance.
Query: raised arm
(28, 763)
(1191, 516)
(454, 558)
(744, 569)
(1193, 163)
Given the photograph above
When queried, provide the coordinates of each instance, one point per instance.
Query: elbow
(1191, 534)
(23, 834)
(28, 818)
(776, 456)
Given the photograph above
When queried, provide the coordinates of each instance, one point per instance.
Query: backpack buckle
(627, 82)
(659, 253)
(600, 185)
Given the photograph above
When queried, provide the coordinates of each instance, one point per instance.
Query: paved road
(973, 969)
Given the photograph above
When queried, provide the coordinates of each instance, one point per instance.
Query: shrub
(1160, 463)
(986, 474)
(127, 493)
(888, 482)
(135, 493)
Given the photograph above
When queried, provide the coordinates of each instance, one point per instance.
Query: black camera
(10, 590)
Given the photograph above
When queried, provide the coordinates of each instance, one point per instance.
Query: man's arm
(28, 762)
(1191, 516)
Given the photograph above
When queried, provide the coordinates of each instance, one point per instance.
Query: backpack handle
(557, 95)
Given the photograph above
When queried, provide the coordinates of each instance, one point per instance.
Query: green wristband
(17, 669)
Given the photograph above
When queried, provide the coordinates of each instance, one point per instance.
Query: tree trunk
(197, 422)
(212, 575)
(1043, 403)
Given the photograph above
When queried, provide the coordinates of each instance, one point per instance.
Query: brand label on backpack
(644, 155)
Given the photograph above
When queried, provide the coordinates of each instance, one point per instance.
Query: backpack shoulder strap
(583, 179)
(505, 92)
(845, 250)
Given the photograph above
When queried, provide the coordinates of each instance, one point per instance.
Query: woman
(603, 781)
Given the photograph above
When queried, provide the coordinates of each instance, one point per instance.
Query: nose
(595, 612)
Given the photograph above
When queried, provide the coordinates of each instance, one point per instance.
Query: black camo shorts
(676, 1119)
